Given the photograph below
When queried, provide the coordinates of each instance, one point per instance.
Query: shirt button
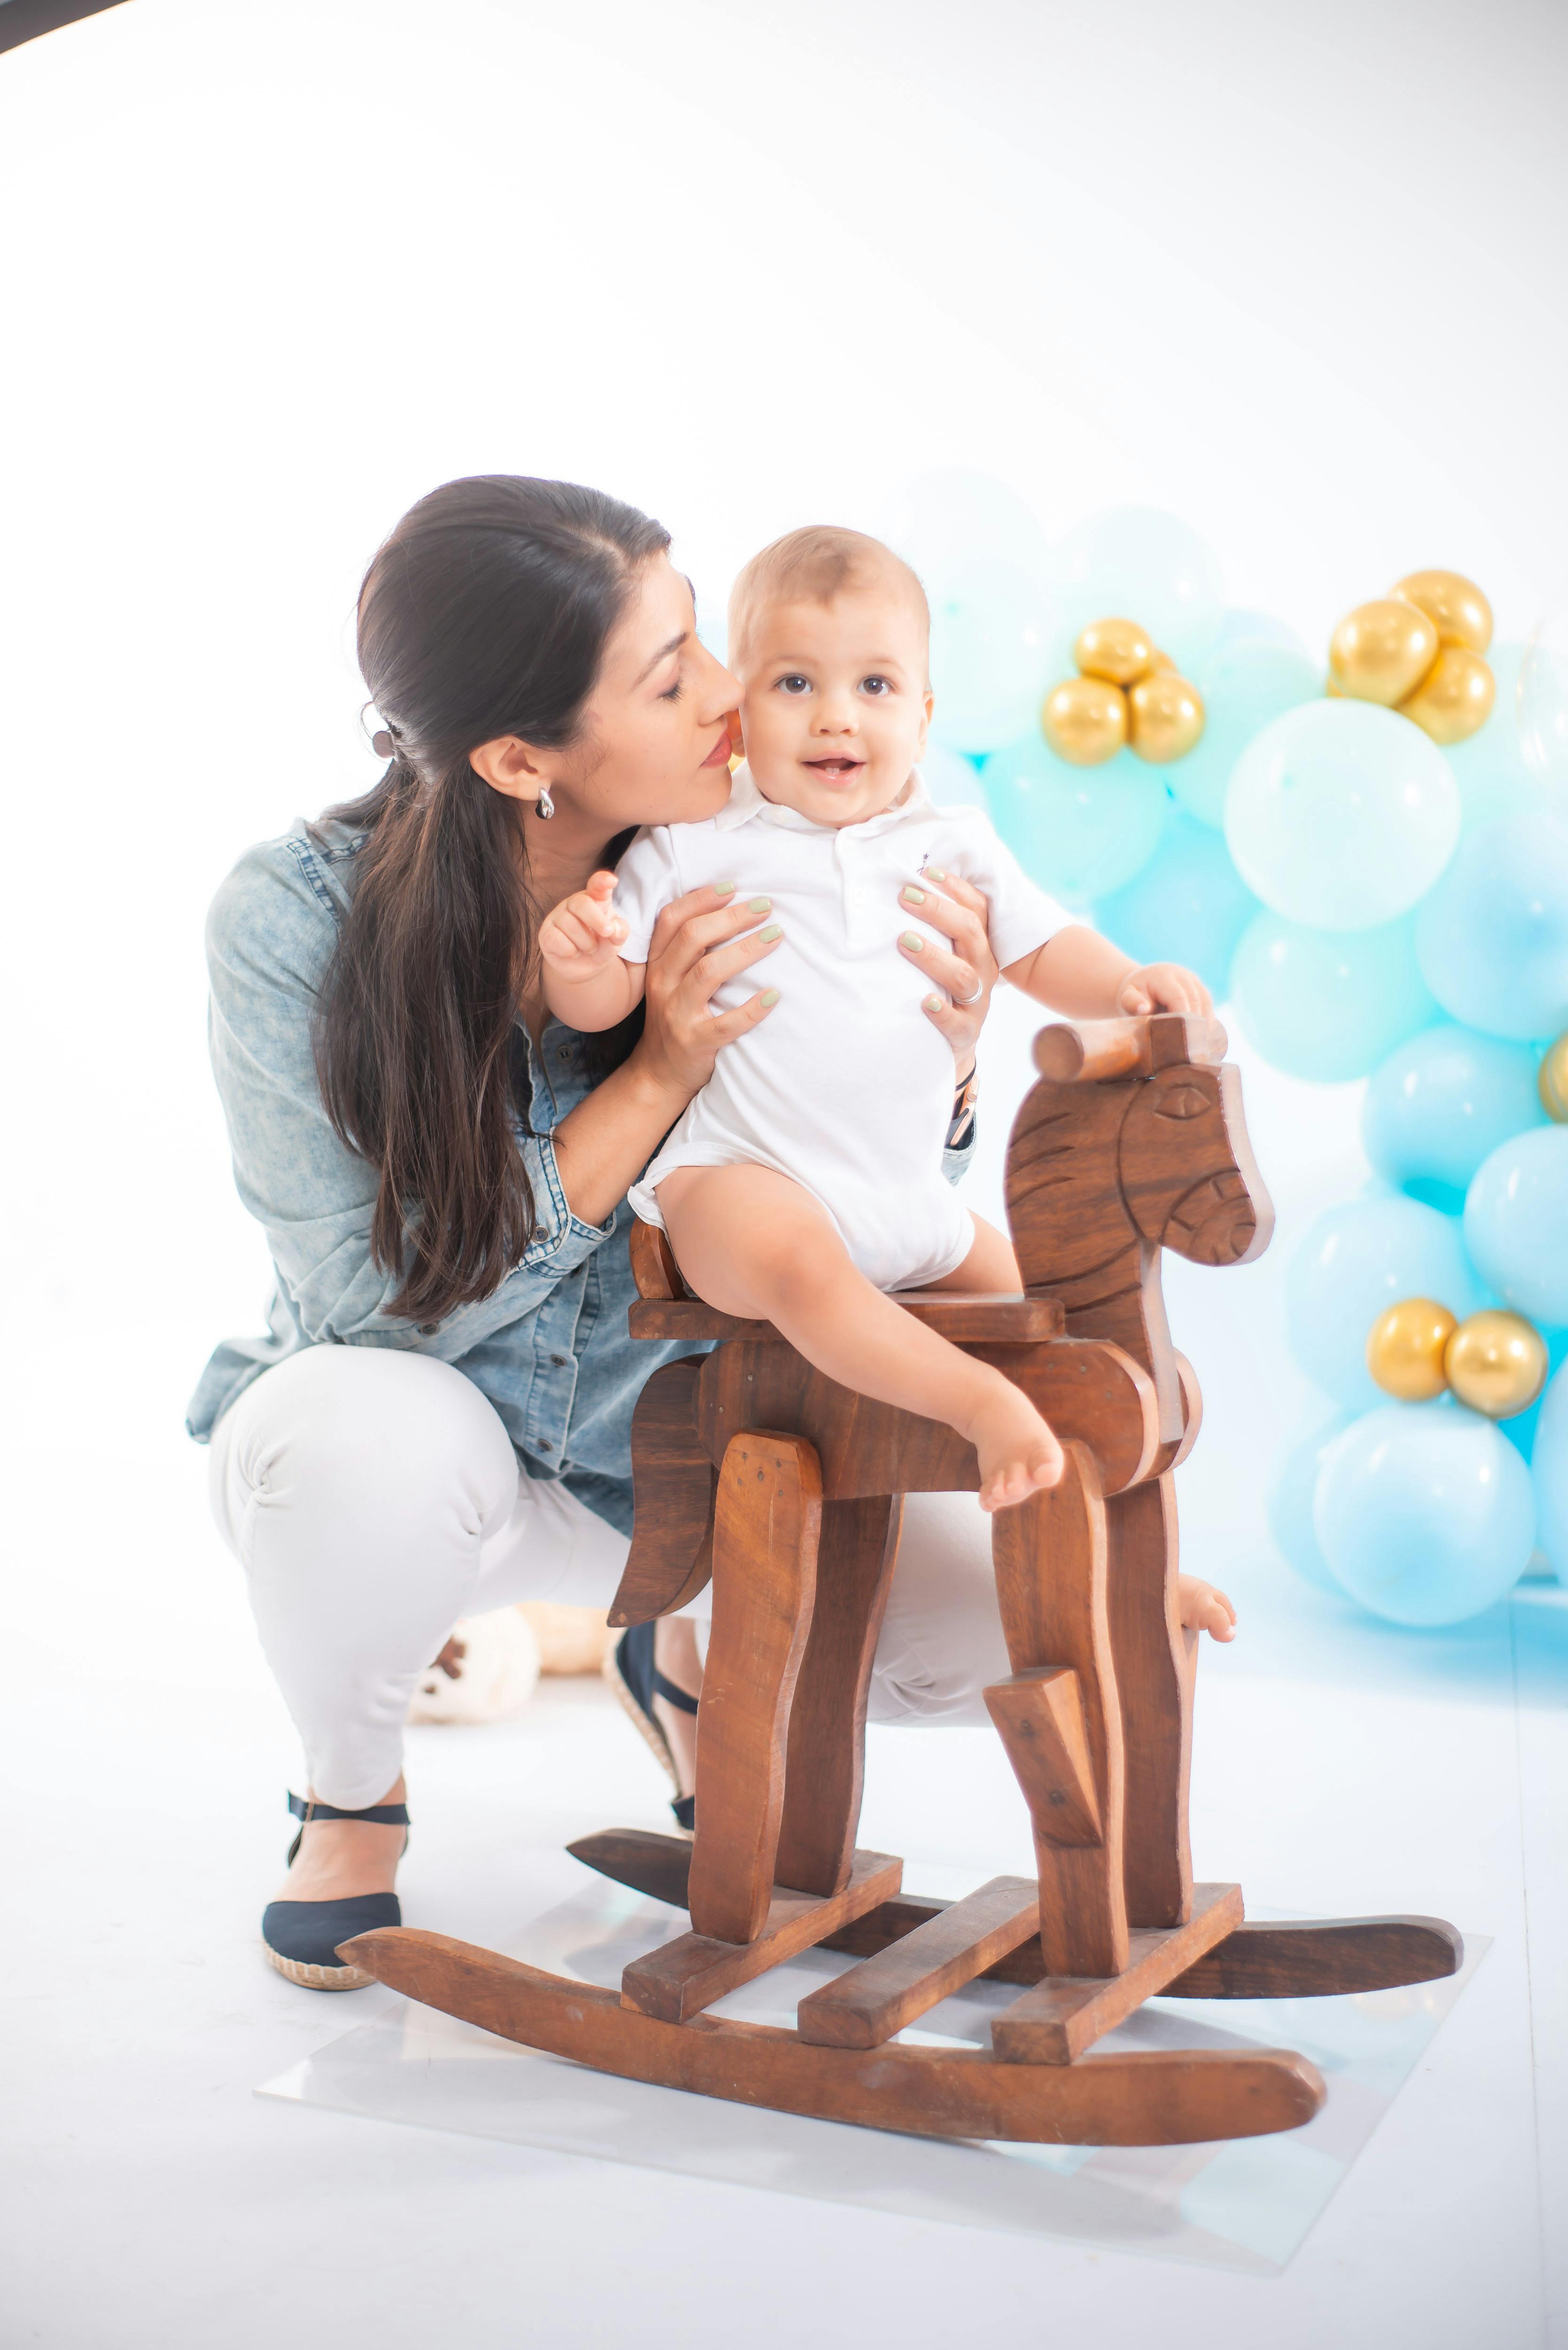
(429, 1329)
(545, 1445)
(564, 1051)
(559, 1361)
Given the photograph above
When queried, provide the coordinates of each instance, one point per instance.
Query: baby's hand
(1163, 987)
(581, 936)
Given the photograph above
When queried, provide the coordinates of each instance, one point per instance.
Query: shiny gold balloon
(1405, 1348)
(1496, 1362)
(1455, 605)
(1454, 698)
(1552, 1080)
(1165, 717)
(1085, 720)
(1117, 651)
(1380, 652)
(1161, 660)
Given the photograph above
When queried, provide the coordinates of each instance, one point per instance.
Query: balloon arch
(1368, 859)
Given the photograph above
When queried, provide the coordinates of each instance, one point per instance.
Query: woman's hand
(699, 942)
(966, 971)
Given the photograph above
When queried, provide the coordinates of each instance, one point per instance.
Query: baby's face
(835, 703)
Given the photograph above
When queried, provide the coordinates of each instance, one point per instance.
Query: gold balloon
(1380, 652)
(1085, 720)
(1165, 717)
(1552, 1080)
(1455, 605)
(1162, 660)
(1454, 698)
(1116, 651)
(1496, 1362)
(1405, 1348)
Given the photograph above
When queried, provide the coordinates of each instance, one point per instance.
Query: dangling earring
(545, 806)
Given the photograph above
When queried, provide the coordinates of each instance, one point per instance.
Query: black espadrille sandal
(636, 1680)
(301, 1937)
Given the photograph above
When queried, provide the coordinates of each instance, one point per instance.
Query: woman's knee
(941, 1642)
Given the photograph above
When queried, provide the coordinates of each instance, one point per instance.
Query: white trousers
(374, 1498)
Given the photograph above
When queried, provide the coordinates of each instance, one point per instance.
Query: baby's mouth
(836, 771)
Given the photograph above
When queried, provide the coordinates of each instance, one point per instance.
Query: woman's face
(654, 744)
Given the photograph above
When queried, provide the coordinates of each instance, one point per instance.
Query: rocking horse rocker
(753, 1468)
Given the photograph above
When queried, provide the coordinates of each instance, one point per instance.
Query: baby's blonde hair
(811, 567)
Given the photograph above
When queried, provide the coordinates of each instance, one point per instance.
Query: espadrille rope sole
(646, 1726)
(311, 1978)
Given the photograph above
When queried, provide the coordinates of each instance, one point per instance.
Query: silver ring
(962, 1003)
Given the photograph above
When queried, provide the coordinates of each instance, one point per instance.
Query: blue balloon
(1522, 1427)
(1356, 1261)
(1516, 1223)
(1327, 1004)
(1082, 832)
(1440, 1104)
(993, 638)
(951, 780)
(1548, 1474)
(1245, 685)
(1493, 938)
(1135, 563)
(1493, 777)
(1292, 1494)
(1341, 815)
(1189, 905)
(1424, 1513)
(1241, 626)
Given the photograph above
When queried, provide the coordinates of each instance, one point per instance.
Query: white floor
(152, 2199)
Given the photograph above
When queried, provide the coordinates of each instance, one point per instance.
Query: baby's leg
(1204, 1609)
(754, 1244)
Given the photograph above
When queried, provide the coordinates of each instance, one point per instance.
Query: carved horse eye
(1182, 1101)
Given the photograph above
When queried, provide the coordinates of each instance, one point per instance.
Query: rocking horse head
(1132, 1141)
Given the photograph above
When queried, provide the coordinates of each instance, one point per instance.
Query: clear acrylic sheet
(1244, 2204)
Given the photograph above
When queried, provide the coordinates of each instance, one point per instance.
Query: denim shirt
(549, 1347)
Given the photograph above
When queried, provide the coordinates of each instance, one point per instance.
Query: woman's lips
(718, 757)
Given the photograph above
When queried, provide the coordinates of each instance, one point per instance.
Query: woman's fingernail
(935, 873)
(913, 942)
(914, 897)
(723, 888)
(758, 905)
(931, 1004)
(773, 930)
(770, 997)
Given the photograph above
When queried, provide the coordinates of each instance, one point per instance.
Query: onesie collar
(746, 803)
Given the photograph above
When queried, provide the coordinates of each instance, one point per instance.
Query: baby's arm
(1083, 974)
(586, 985)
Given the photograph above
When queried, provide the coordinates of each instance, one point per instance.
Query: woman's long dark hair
(486, 613)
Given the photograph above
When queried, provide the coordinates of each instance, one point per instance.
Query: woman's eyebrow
(664, 652)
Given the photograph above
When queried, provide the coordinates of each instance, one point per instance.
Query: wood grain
(1155, 1662)
(766, 1525)
(825, 1758)
(684, 1976)
(876, 1999)
(1174, 2098)
(1050, 1559)
(1039, 1716)
(653, 1266)
(1058, 2020)
(673, 1482)
(1002, 1320)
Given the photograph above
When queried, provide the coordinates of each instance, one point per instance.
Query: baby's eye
(795, 683)
(877, 685)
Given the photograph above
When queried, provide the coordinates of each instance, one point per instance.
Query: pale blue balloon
(1440, 1104)
(951, 780)
(1327, 1004)
(1516, 1223)
(1293, 1490)
(1548, 1474)
(1136, 563)
(1080, 832)
(1424, 1513)
(1491, 770)
(1245, 685)
(1243, 626)
(993, 655)
(1493, 938)
(1341, 815)
(1521, 1427)
(941, 520)
(1189, 905)
(1358, 1259)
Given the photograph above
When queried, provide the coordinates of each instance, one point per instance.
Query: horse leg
(1154, 1670)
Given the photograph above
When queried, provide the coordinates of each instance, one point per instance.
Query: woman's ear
(510, 768)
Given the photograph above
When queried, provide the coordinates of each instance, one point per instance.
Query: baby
(805, 1181)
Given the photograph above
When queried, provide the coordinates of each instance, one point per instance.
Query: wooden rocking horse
(753, 1470)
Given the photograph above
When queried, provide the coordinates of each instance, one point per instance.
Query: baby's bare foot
(1018, 1453)
(1204, 1609)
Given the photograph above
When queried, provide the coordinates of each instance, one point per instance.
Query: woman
(438, 1422)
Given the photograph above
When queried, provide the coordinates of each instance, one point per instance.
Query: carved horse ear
(1092, 1050)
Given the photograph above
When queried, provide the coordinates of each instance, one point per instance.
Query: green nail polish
(935, 873)
(770, 996)
(723, 888)
(773, 930)
(914, 897)
(931, 1004)
(910, 941)
(758, 905)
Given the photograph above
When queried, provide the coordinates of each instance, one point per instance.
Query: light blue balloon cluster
(1371, 907)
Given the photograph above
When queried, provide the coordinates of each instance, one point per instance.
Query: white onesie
(845, 1086)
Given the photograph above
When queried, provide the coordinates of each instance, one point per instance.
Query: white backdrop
(271, 271)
